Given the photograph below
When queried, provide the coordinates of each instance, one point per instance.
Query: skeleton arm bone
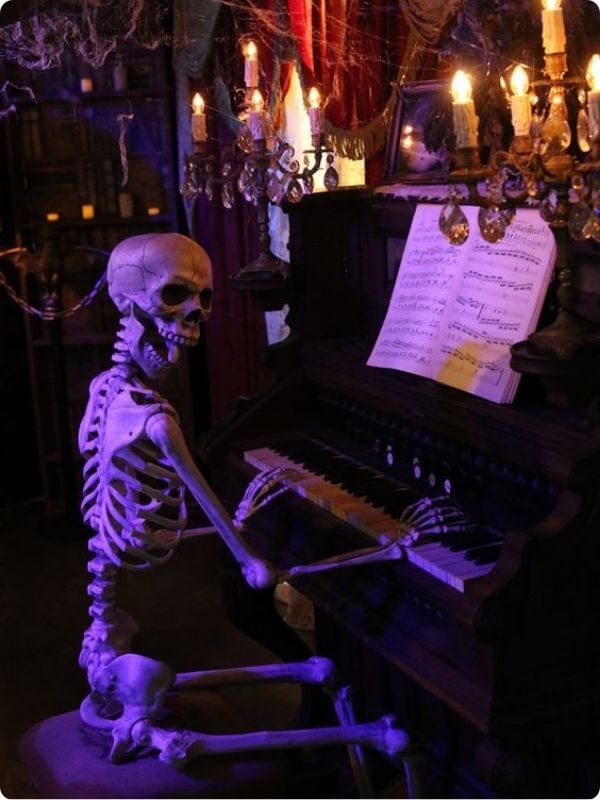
(166, 434)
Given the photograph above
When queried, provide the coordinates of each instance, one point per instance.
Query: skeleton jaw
(153, 347)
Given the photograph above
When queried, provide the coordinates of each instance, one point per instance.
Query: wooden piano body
(497, 680)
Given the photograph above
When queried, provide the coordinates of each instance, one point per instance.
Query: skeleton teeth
(177, 338)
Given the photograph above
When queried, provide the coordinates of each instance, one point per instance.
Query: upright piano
(485, 645)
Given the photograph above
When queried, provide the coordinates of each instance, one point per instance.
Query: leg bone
(178, 747)
(315, 670)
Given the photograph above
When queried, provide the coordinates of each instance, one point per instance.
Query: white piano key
(447, 566)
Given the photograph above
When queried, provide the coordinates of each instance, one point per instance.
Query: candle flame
(257, 101)
(551, 5)
(198, 103)
(592, 74)
(461, 87)
(251, 50)
(314, 97)
(519, 81)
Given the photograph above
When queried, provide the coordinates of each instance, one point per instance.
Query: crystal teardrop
(331, 178)
(294, 191)
(308, 181)
(244, 139)
(275, 190)
(583, 131)
(208, 188)
(453, 223)
(228, 195)
(578, 218)
(556, 133)
(492, 224)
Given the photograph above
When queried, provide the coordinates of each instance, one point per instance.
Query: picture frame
(417, 148)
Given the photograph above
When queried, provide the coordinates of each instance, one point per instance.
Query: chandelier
(539, 168)
(259, 165)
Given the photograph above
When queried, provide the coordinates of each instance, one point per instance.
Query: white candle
(519, 102)
(198, 119)
(251, 66)
(315, 112)
(553, 27)
(593, 99)
(466, 121)
(256, 116)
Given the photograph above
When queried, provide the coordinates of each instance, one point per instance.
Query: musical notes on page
(456, 310)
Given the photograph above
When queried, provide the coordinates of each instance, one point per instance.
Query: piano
(484, 642)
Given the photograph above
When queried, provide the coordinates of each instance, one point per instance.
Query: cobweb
(92, 29)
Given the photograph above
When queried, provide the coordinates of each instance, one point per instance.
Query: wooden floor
(43, 611)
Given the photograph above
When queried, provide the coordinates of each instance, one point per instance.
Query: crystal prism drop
(275, 190)
(228, 195)
(578, 218)
(548, 209)
(331, 178)
(294, 191)
(208, 188)
(453, 223)
(242, 181)
(308, 181)
(583, 131)
(592, 227)
(492, 224)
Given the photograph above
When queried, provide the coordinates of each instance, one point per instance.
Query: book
(455, 310)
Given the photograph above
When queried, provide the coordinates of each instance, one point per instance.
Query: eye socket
(206, 299)
(173, 294)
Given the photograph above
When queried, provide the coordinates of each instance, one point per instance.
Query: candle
(256, 116)
(519, 102)
(251, 65)
(593, 99)
(198, 119)
(315, 112)
(553, 27)
(88, 211)
(463, 111)
(52, 216)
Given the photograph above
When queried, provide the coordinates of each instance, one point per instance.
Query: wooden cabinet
(91, 161)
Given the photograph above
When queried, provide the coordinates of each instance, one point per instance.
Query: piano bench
(65, 759)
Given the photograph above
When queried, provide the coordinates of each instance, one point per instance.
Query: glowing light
(88, 212)
(251, 51)
(592, 74)
(314, 97)
(551, 5)
(519, 81)
(257, 101)
(52, 216)
(198, 103)
(461, 87)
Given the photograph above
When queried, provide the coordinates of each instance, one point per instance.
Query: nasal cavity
(194, 316)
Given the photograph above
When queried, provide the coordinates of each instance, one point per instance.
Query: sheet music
(456, 309)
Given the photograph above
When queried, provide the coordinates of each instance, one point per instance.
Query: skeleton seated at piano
(137, 469)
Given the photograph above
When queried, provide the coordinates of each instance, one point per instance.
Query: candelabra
(259, 164)
(541, 169)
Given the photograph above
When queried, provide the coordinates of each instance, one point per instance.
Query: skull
(162, 283)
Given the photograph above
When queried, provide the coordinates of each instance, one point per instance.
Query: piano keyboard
(373, 503)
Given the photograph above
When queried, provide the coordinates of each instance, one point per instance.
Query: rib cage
(132, 497)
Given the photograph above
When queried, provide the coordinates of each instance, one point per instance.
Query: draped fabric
(354, 51)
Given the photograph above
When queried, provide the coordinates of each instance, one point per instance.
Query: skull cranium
(162, 283)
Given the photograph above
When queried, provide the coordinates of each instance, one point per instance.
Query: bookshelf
(63, 156)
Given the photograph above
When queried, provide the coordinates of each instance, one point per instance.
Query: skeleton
(137, 467)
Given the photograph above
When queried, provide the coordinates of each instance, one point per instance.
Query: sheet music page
(426, 283)
(456, 309)
(497, 303)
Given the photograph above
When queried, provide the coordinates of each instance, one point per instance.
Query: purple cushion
(67, 759)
